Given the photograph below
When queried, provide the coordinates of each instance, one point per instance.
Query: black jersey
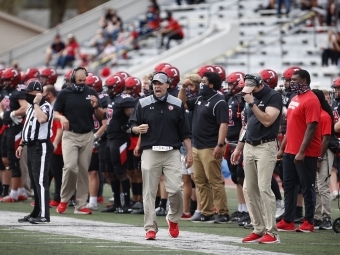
(116, 116)
(10, 102)
(235, 106)
(103, 103)
(336, 110)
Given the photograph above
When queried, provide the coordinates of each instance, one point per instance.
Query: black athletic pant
(39, 155)
(56, 168)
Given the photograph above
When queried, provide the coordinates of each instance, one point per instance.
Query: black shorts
(101, 156)
(236, 171)
(133, 161)
(116, 155)
(94, 165)
(336, 165)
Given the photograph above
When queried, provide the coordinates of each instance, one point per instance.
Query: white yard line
(190, 241)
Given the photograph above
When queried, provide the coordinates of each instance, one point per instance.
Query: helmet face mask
(48, 76)
(336, 89)
(173, 75)
(235, 82)
(270, 77)
(94, 82)
(11, 78)
(114, 85)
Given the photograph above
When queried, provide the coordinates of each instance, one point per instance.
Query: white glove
(1, 115)
(16, 119)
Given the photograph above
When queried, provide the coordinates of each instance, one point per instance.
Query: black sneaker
(326, 224)
(39, 220)
(222, 218)
(245, 218)
(124, 209)
(298, 219)
(202, 218)
(317, 223)
(112, 208)
(27, 218)
(235, 216)
(139, 211)
(161, 212)
(72, 203)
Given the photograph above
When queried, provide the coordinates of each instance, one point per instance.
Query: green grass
(320, 242)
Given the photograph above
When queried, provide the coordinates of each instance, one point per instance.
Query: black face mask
(29, 98)
(78, 87)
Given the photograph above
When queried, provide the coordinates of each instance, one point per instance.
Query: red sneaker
(54, 203)
(22, 198)
(173, 228)
(305, 227)
(150, 235)
(285, 226)
(100, 200)
(252, 238)
(186, 216)
(62, 207)
(83, 210)
(8, 199)
(269, 239)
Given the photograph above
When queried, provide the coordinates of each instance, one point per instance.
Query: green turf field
(203, 238)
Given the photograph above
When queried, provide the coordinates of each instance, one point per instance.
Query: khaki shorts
(185, 171)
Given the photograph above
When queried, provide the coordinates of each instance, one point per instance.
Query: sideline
(190, 241)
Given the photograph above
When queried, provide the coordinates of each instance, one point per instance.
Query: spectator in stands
(70, 53)
(332, 51)
(108, 51)
(113, 27)
(56, 48)
(152, 19)
(172, 31)
(279, 5)
(98, 41)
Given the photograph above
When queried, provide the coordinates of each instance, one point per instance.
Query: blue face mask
(204, 90)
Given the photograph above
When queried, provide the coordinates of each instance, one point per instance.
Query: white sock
(197, 211)
(239, 208)
(122, 200)
(14, 194)
(22, 191)
(93, 200)
(244, 208)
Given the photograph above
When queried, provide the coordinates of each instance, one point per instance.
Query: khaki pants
(153, 164)
(208, 177)
(323, 195)
(259, 163)
(77, 151)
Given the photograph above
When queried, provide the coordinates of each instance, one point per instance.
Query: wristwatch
(251, 105)
(220, 145)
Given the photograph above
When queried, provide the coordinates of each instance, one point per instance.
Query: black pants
(39, 157)
(171, 36)
(303, 174)
(56, 171)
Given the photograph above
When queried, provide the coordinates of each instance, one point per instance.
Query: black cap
(33, 85)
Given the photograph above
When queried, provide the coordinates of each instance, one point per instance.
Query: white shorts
(185, 171)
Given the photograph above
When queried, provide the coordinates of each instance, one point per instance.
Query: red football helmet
(67, 75)
(221, 71)
(123, 74)
(115, 83)
(288, 73)
(336, 88)
(31, 73)
(94, 82)
(206, 68)
(134, 84)
(270, 77)
(11, 77)
(173, 74)
(50, 74)
(159, 67)
(235, 81)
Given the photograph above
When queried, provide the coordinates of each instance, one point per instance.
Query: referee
(36, 136)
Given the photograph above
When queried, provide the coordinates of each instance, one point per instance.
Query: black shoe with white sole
(39, 220)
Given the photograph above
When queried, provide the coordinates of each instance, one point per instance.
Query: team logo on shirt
(207, 104)
(88, 97)
(170, 107)
(293, 105)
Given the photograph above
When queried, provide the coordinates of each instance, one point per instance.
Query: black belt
(35, 142)
(255, 143)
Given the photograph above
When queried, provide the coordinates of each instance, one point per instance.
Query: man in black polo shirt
(263, 121)
(36, 136)
(209, 130)
(161, 120)
(74, 108)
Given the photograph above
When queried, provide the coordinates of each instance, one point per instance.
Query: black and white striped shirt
(33, 130)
